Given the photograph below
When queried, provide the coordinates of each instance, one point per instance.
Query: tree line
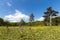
(51, 19)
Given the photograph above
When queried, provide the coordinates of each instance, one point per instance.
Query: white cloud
(17, 16)
(54, 16)
(40, 19)
(9, 4)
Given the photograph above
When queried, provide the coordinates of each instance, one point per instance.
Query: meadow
(30, 33)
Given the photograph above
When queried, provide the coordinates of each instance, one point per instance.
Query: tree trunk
(50, 21)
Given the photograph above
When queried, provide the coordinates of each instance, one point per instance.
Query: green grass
(30, 33)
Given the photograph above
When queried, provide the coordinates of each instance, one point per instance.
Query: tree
(49, 14)
(22, 22)
(1, 22)
(31, 19)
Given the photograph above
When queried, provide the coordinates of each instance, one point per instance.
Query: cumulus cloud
(40, 19)
(17, 16)
(9, 4)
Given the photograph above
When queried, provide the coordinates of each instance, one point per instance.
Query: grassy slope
(27, 33)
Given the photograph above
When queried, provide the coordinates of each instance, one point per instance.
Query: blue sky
(11, 8)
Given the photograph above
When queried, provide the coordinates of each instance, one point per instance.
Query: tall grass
(30, 33)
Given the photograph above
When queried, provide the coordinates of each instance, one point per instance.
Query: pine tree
(22, 22)
(31, 19)
(49, 14)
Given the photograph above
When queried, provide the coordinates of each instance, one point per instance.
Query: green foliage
(14, 24)
(6, 23)
(1, 21)
(56, 21)
(22, 22)
(24, 33)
